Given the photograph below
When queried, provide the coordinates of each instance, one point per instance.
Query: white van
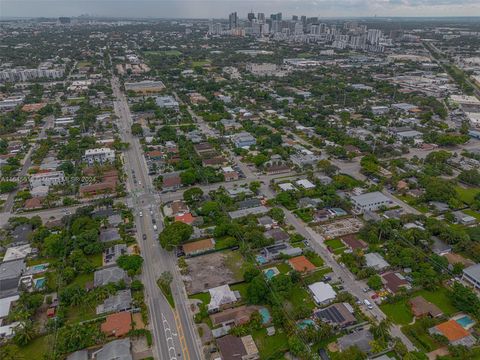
(155, 227)
(368, 304)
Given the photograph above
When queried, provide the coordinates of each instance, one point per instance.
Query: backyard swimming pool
(303, 324)
(261, 260)
(465, 321)
(40, 267)
(266, 317)
(39, 283)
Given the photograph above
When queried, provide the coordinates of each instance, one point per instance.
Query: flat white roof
(5, 305)
(322, 291)
(370, 198)
(305, 183)
(286, 186)
(17, 252)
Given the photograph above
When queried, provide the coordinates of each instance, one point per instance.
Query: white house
(220, 297)
(323, 293)
(99, 155)
(47, 179)
(370, 201)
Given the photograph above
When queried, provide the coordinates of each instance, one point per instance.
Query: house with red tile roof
(118, 324)
(301, 264)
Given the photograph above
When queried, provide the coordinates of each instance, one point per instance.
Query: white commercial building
(370, 201)
(99, 155)
(323, 293)
(47, 179)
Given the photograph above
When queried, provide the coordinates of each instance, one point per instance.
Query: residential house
(243, 140)
(10, 274)
(323, 293)
(99, 155)
(394, 282)
(221, 297)
(118, 324)
(235, 348)
(338, 314)
(361, 339)
(258, 210)
(274, 251)
(230, 174)
(110, 275)
(301, 264)
(121, 301)
(277, 234)
(376, 261)
(171, 182)
(370, 201)
(421, 307)
(454, 332)
(267, 222)
(471, 275)
(117, 350)
(47, 179)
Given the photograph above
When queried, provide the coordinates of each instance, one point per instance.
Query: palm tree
(381, 331)
(24, 332)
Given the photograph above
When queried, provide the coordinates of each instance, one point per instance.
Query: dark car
(144, 236)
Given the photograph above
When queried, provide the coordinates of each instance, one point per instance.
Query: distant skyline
(221, 8)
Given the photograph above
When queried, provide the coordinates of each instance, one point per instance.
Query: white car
(155, 227)
(140, 214)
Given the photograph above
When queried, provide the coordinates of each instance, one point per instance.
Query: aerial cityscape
(271, 185)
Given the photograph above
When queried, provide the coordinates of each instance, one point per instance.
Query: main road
(174, 332)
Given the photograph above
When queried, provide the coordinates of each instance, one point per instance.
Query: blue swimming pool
(270, 273)
(39, 283)
(40, 267)
(261, 260)
(303, 324)
(465, 321)
(266, 317)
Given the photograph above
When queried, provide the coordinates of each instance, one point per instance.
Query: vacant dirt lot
(211, 270)
(339, 228)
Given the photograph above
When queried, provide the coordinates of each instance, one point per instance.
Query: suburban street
(173, 330)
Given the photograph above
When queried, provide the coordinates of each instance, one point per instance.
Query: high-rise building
(294, 18)
(277, 16)
(250, 16)
(303, 19)
(261, 17)
(233, 21)
(276, 26)
(298, 28)
(323, 28)
(314, 29)
(373, 36)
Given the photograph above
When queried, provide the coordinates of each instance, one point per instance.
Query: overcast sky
(221, 8)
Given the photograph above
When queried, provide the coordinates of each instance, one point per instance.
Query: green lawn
(305, 214)
(316, 276)
(283, 267)
(420, 337)
(467, 195)
(398, 312)
(204, 297)
(36, 348)
(96, 260)
(268, 346)
(81, 313)
(82, 279)
(315, 259)
(163, 53)
(410, 200)
(236, 263)
(200, 62)
(334, 244)
(299, 297)
(225, 242)
(241, 288)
